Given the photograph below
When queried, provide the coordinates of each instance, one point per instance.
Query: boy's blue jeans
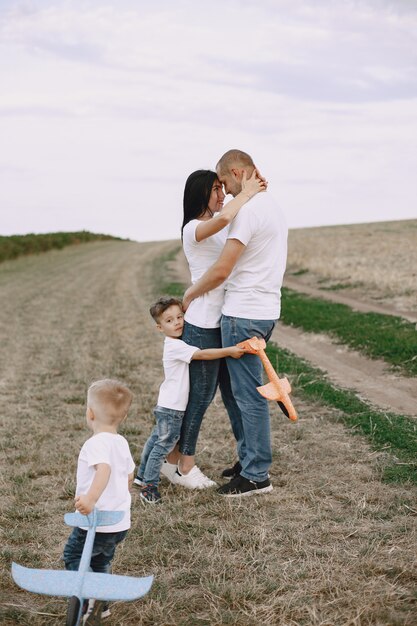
(160, 443)
(103, 549)
(205, 376)
(251, 426)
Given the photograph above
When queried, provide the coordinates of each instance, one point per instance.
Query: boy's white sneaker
(195, 479)
(168, 470)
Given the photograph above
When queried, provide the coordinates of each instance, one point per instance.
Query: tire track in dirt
(350, 301)
(371, 379)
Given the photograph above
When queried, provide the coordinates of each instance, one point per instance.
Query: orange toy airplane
(278, 388)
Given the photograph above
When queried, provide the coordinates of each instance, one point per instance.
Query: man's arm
(217, 273)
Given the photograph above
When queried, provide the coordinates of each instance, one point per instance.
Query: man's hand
(84, 504)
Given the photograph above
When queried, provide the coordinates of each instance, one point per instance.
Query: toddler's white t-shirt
(112, 449)
(173, 393)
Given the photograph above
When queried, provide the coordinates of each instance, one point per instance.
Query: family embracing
(236, 255)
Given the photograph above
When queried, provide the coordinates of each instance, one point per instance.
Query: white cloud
(106, 109)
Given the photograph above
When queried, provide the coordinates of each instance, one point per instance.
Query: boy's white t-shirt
(174, 391)
(253, 289)
(206, 310)
(112, 449)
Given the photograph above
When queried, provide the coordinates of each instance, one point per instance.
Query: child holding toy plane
(104, 475)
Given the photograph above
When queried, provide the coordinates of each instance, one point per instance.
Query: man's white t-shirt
(253, 289)
(206, 310)
(174, 391)
(112, 449)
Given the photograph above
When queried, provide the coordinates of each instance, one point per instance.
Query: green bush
(18, 245)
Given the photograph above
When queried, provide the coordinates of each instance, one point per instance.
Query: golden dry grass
(376, 261)
(330, 546)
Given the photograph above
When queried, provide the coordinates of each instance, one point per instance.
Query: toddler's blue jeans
(103, 549)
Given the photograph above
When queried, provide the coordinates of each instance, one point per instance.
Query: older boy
(104, 476)
(173, 393)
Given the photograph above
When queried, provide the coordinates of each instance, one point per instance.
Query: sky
(107, 107)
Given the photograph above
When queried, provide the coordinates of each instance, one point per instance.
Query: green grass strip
(19, 245)
(393, 433)
(377, 336)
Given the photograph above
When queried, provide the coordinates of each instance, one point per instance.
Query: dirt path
(371, 379)
(349, 300)
(331, 545)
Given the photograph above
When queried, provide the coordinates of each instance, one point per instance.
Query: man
(253, 264)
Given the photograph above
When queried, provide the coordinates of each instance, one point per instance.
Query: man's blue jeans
(160, 443)
(251, 427)
(103, 550)
(205, 376)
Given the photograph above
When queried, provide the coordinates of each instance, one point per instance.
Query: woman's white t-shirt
(206, 310)
(174, 391)
(113, 450)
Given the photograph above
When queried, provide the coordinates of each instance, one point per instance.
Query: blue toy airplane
(83, 584)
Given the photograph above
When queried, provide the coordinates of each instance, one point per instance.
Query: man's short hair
(110, 399)
(234, 157)
(162, 305)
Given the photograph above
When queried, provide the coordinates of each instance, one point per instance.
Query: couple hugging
(236, 255)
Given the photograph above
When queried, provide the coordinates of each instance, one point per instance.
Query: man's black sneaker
(240, 486)
(232, 472)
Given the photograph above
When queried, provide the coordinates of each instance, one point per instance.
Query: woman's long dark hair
(197, 192)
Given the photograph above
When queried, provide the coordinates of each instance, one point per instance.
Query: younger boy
(104, 476)
(173, 393)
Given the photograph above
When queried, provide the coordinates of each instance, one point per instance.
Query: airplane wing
(92, 585)
(113, 587)
(47, 581)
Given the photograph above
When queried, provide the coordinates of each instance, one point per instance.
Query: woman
(204, 233)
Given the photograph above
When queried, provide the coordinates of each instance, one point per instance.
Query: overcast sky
(107, 107)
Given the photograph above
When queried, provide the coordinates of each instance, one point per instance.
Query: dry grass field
(375, 262)
(330, 546)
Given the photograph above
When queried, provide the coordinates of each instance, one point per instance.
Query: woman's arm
(250, 187)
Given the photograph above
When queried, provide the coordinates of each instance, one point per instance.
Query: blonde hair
(110, 400)
(234, 157)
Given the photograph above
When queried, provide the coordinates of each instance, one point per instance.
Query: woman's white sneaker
(195, 479)
(168, 470)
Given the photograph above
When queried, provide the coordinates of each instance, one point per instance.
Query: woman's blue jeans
(160, 443)
(251, 425)
(205, 376)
